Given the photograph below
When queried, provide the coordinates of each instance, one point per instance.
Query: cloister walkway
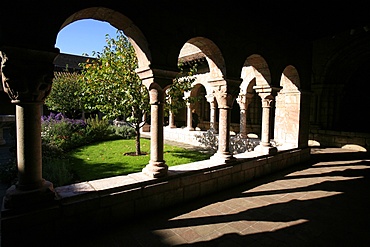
(324, 202)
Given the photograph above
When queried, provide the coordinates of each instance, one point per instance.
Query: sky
(84, 37)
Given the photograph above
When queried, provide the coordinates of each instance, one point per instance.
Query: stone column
(155, 80)
(27, 77)
(157, 166)
(189, 117)
(267, 95)
(243, 101)
(212, 118)
(225, 102)
(171, 120)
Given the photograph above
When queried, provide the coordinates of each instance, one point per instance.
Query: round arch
(290, 79)
(208, 49)
(255, 71)
(121, 22)
(288, 112)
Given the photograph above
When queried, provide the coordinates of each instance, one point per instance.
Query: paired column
(27, 78)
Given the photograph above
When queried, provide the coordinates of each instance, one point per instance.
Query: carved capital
(244, 100)
(210, 98)
(224, 99)
(267, 101)
(159, 76)
(27, 75)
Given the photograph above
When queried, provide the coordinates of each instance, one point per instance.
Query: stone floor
(323, 203)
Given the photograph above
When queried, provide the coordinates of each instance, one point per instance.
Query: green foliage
(175, 99)
(9, 172)
(62, 134)
(98, 130)
(125, 132)
(111, 85)
(56, 170)
(62, 97)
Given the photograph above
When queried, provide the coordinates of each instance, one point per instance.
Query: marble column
(212, 115)
(157, 166)
(243, 100)
(267, 95)
(189, 117)
(155, 81)
(225, 102)
(27, 78)
(171, 120)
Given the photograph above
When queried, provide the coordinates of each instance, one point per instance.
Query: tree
(62, 97)
(175, 93)
(111, 85)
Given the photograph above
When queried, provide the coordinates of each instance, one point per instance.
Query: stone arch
(255, 70)
(287, 114)
(121, 22)
(201, 106)
(208, 49)
(255, 73)
(205, 51)
(290, 80)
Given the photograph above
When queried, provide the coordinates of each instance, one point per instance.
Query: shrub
(98, 130)
(125, 132)
(56, 170)
(62, 132)
(9, 172)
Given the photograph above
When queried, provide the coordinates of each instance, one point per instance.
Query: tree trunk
(137, 129)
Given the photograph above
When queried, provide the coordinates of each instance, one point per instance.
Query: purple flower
(59, 116)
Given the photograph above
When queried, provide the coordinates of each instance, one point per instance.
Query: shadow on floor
(339, 219)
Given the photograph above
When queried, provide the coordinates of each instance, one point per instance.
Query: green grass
(107, 159)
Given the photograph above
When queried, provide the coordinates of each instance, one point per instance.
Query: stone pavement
(322, 203)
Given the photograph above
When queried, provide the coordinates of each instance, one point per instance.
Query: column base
(223, 157)
(156, 169)
(28, 199)
(265, 149)
(189, 128)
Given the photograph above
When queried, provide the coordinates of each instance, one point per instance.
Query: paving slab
(322, 203)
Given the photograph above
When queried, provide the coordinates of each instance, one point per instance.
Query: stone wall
(91, 205)
(330, 138)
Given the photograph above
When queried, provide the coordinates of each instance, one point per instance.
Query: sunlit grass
(107, 159)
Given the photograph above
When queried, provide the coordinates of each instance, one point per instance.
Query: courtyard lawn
(107, 159)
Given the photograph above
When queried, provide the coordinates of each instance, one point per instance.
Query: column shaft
(243, 123)
(29, 157)
(212, 114)
(171, 120)
(265, 132)
(156, 166)
(189, 118)
(224, 132)
(213, 117)
(156, 140)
